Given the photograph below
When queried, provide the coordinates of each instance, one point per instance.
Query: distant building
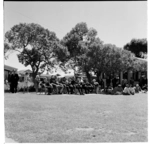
(23, 72)
(8, 69)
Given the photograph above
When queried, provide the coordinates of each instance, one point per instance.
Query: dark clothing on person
(108, 81)
(142, 82)
(132, 82)
(16, 79)
(42, 84)
(101, 83)
(80, 86)
(9, 81)
(145, 88)
(72, 86)
(67, 88)
(145, 81)
(49, 87)
(12, 81)
(115, 82)
(124, 82)
(88, 88)
(73, 82)
(9, 78)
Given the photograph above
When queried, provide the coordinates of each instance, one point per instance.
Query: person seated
(72, 86)
(118, 90)
(144, 88)
(87, 86)
(103, 90)
(137, 88)
(109, 90)
(59, 86)
(55, 84)
(79, 86)
(63, 83)
(126, 90)
(67, 86)
(91, 87)
(132, 90)
(48, 87)
(41, 87)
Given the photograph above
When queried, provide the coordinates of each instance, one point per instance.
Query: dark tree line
(138, 47)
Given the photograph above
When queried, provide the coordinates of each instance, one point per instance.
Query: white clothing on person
(126, 90)
(132, 90)
(26, 80)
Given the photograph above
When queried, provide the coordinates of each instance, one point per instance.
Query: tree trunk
(33, 77)
(98, 75)
(34, 73)
(88, 76)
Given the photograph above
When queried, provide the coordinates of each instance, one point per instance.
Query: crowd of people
(83, 86)
(55, 85)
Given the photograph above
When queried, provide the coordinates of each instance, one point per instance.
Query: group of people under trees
(81, 86)
(55, 85)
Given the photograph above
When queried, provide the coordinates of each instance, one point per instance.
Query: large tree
(79, 42)
(106, 59)
(71, 42)
(138, 47)
(35, 46)
(92, 60)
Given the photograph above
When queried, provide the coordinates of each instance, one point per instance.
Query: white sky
(116, 22)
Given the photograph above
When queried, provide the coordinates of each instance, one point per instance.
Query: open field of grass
(74, 118)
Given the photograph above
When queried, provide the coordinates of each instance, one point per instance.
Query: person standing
(79, 86)
(12, 79)
(26, 82)
(132, 81)
(16, 79)
(36, 84)
(101, 83)
(115, 81)
(96, 86)
(9, 80)
(108, 81)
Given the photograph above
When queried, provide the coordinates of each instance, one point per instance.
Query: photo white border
(2, 130)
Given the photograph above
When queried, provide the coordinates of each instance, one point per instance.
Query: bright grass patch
(74, 118)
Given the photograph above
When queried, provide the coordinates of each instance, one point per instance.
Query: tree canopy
(71, 41)
(80, 49)
(138, 47)
(88, 53)
(35, 46)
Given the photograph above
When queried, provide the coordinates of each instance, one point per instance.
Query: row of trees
(138, 47)
(80, 50)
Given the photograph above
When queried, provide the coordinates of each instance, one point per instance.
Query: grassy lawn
(74, 118)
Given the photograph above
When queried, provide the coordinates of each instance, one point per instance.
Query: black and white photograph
(75, 71)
